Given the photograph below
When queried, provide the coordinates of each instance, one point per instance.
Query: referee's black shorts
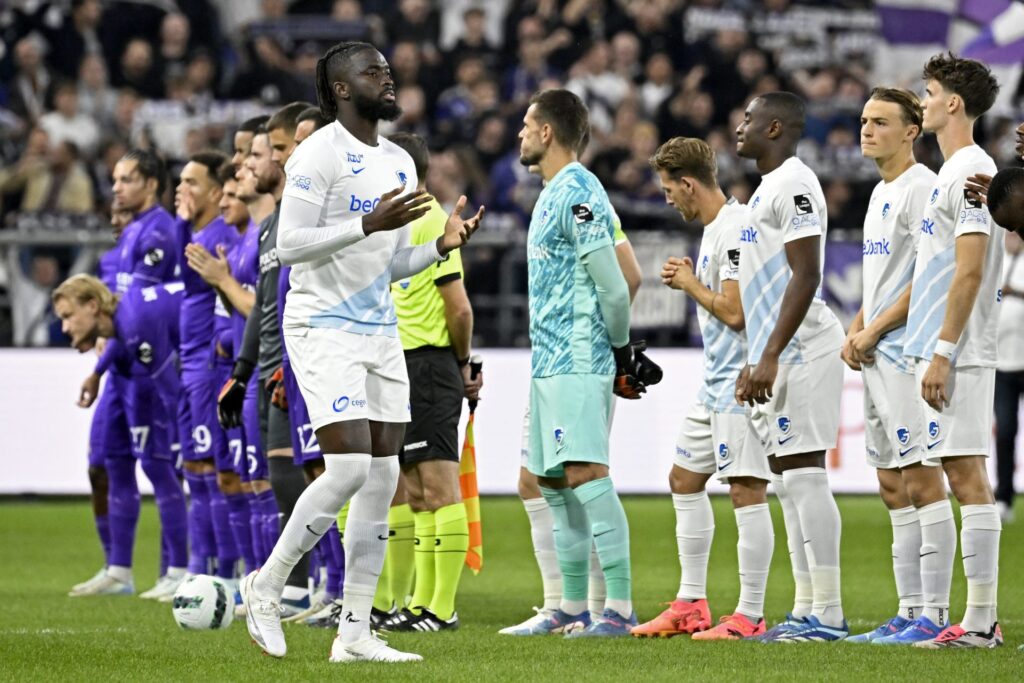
(435, 395)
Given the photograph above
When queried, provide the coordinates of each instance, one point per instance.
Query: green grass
(48, 546)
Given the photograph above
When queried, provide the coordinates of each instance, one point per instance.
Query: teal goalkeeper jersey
(572, 218)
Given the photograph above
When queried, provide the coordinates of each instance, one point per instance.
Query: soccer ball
(203, 602)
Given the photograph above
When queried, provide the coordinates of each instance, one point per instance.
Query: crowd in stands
(82, 81)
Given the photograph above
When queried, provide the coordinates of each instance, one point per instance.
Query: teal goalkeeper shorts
(569, 421)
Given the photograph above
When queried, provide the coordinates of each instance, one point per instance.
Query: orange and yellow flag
(471, 498)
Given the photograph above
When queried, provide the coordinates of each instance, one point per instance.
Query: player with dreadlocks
(345, 233)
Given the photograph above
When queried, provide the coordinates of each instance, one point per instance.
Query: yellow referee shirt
(418, 303)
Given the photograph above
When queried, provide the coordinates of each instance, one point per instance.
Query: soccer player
(435, 324)
(718, 437)
(232, 273)
(579, 330)
(342, 230)
(894, 433)
(209, 468)
(953, 326)
(144, 399)
(107, 270)
(793, 372)
(262, 347)
(147, 253)
(242, 140)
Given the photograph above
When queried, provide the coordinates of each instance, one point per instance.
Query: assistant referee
(435, 323)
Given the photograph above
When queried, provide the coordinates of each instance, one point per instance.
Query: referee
(435, 323)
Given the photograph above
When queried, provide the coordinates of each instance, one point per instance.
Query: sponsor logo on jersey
(404, 284)
(362, 205)
(145, 353)
(153, 257)
(927, 226)
(935, 195)
(972, 202)
(683, 452)
(353, 158)
(877, 247)
(976, 216)
(340, 404)
(301, 182)
(803, 205)
(537, 251)
(582, 213)
(268, 261)
(885, 210)
(903, 435)
(749, 235)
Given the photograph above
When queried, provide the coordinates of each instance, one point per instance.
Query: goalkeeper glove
(634, 371)
(275, 387)
(232, 395)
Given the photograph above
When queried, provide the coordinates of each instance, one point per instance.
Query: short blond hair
(84, 288)
(687, 157)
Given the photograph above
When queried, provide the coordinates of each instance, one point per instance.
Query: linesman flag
(468, 486)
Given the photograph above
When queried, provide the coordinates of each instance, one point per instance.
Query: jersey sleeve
(311, 171)
(729, 252)
(156, 255)
(913, 210)
(797, 214)
(619, 235)
(970, 214)
(586, 220)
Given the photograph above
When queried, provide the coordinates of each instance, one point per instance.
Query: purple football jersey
(198, 308)
(148, 250)
(108, 266)
(244, 263)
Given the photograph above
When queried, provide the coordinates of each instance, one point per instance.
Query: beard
(375, 109)
(530, 159)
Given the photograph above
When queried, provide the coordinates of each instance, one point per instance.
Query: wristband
(463, 362)
(944, 348)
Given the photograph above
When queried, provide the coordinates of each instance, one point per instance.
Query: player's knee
(970, 485)
(439, 495)
(683, 482)
(528, 486)
(746, 491)
(229, 483)
(98, 478)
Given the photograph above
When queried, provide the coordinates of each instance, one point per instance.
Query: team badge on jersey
(704, 263)
(153, 257)
(559, 435)
(903, 435)
(803, 204)
(582, 213)
(723, 451)
(885, 210)
(784, 424)
(402, 178)
(934, 429)
(935, 195)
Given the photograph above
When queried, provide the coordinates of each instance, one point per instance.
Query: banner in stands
(46, 433)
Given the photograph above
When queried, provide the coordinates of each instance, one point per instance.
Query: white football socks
(906, 561)
(695, 527)
(366, 541)
(821, 526)
(803, 597)
(980, 528)
(314, 513)
(542, 532)
(754, 551)
(938, 548)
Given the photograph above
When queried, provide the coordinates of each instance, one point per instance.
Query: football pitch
(47, 546)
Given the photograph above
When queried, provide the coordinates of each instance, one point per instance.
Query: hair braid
(324, 93)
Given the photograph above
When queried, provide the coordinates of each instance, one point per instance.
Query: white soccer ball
(203, 602)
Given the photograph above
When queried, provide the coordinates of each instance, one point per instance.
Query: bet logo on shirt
(153, 257)
(803, 204)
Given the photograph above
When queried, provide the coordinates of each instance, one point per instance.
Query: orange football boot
(682, 616)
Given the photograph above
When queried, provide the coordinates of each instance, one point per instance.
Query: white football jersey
(788, 205)
(891, 230)
(724, 349)
(947, 215)
(350, 289)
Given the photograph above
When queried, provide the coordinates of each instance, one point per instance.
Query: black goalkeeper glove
(232, 395)
(634, 371)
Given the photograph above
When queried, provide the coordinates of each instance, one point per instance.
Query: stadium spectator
(67, 123)
(138, 69)
(50, 178)
(95, 96)
(31, 80)
(75, 38)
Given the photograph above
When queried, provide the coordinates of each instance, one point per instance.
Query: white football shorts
(893, 418)
(964, 427)
(723, 444)
(346, 376)
(803, 413)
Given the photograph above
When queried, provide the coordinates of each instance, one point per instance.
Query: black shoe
(428, 621)
(400, 621)
(378, 617)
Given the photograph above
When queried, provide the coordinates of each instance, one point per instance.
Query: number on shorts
(202, 438)
(307, 438)
(235, 446)
(250, 456)
(140, 437)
